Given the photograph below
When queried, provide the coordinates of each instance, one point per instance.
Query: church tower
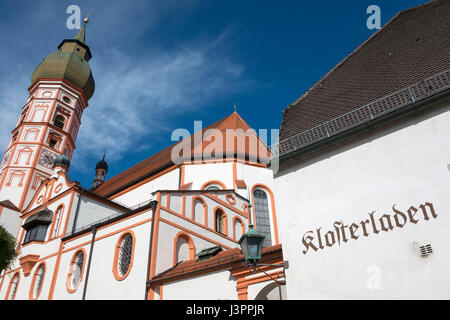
(61, 86)
(100, 173)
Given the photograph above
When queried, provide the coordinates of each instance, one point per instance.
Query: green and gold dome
(70, 63)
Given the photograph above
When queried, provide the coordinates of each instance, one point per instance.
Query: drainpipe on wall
(154, 204)
(94, 232)
(75, 219)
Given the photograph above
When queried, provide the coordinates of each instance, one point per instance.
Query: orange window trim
(226, 204)
(33, 282)
(55, 219)
(230, 198)
(190, 242)
(205, 209)
(206, 184)
(196, 223)
(115, 268)
(224, 220)
(272, 202)
(69, 275)
(234, 229)
(10, 285)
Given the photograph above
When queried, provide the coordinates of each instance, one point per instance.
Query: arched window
(220, 221)
(238, 228)
(75, 271)
(11, 294)
(184, 248)
(262, 223)
(213, 185)
(124, 256)
(57, 221)
(36, 284)
(199, 211)
(59, 121)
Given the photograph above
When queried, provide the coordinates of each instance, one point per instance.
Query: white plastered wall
(205, 288)
(142, 193)
(404, 165)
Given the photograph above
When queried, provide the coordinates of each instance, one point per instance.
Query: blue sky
(161, 65)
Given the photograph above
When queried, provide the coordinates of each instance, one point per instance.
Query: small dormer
(208, 253)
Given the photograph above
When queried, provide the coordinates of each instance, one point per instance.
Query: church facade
(352, 200)
(118, 239)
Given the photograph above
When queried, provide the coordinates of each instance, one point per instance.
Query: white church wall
(89, 211)
(394, 169)
(199, 174)
(142, 193)
(205, 287)
(102, 283)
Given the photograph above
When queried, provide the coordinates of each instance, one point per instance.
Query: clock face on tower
(5, 160)
(46, 159)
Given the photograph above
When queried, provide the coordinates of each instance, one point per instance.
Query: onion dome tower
(100, 173)
(49, 121)
(70, 62)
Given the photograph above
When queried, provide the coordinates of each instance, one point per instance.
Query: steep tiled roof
(413, 45)
(222, 259)
(163, 158)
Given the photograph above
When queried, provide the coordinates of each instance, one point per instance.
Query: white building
(363, 183)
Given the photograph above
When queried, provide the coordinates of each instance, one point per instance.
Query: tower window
(66, 100)
(59, 121)
(219, 227)
(52, 143)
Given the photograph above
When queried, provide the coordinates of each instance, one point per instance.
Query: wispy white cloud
(136, 97)
(141, 88)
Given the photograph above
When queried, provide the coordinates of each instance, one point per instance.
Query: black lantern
(251, 243)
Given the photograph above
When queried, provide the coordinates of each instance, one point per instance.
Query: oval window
(37, 281)
(124, 256)
(13, 287)
(76, 271)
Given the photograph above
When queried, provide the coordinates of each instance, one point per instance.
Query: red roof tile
(224, 258)
(410, 47)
